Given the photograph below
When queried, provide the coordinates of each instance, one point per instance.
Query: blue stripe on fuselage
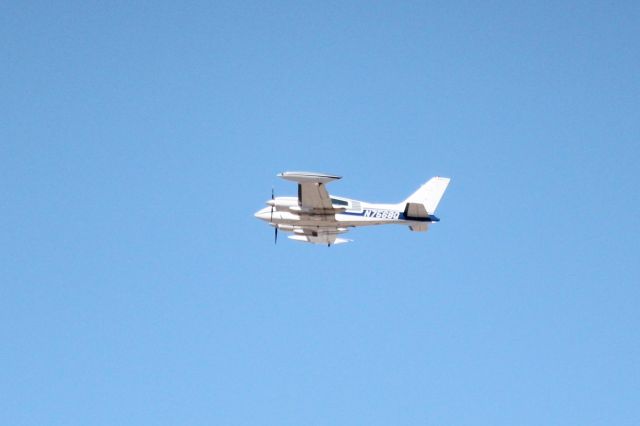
(402, 216)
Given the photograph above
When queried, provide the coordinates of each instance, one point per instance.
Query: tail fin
(430, 193)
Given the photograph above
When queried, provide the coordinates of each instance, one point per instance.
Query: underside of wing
(314, 196)
(308, 177)
(324, 239)
(312, 193)
(319, 235)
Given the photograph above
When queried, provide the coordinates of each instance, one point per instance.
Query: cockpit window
(337, 202)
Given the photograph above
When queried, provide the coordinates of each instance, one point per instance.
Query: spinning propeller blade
(273, 204)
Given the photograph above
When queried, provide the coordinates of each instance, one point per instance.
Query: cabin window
(337, 202)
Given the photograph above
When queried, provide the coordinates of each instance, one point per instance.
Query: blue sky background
(137, 140)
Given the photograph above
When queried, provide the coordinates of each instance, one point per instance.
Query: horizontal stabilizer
(419, 227)
(417, 210)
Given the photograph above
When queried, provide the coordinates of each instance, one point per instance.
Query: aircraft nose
(263, 214)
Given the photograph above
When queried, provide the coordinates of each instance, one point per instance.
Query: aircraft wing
(319, 235)
(312, 193)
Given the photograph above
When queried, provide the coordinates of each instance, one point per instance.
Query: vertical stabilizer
(430, 193)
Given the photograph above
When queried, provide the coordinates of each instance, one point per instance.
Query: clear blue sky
(137, 141)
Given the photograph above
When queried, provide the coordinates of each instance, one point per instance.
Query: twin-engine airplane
(316, 217)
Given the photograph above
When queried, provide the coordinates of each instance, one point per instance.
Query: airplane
(316, 217)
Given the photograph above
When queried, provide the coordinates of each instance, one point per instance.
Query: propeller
(273, 204)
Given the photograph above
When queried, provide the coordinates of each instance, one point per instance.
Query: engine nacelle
(283, 203)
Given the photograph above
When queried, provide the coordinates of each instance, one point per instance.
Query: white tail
(430, 193)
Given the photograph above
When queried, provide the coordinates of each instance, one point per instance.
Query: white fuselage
(317, 217)
(351, 213)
